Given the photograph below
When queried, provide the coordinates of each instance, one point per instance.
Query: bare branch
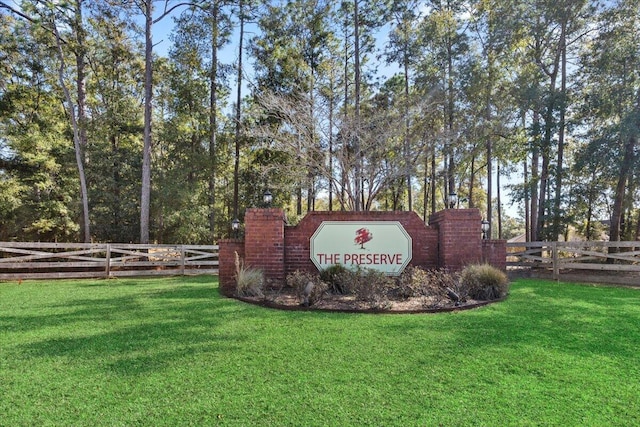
(169, 10)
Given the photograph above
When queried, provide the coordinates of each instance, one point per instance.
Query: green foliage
(10, 188)
(115, 132)
(469, 76)
(249, 281)
(484, 282)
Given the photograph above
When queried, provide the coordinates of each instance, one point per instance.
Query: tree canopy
(329, 105)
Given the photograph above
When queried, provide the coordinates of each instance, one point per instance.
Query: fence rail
(589, 257)
(22, 260)
(619, 261)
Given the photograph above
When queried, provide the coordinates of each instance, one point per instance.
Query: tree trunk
(618, 204)
(358, 158)
(451, 180)
(77, 142)
(433, 179)
(236, 158)
(145, 198)
(527, 200)
(425, 189)
(498, 201)
(489, 184)
(213, 124)
(589, 214)
(535, 164)
(82, 115)
(488, 131)
(407, 150)
(527, 191)
(544, 172)
(343, 175)
(561, 131)
(472, 180)
(331, 107)
(544, 178)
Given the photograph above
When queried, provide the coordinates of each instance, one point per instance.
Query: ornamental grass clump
(484, 282)
(249, 281)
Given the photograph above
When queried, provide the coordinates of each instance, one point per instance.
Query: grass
(172, 352)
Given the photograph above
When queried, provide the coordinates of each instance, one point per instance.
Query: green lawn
(171, 352)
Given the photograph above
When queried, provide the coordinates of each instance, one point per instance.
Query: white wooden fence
(21, 260)
(617, 261)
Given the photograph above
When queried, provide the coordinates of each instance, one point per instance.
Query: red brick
(452, 240)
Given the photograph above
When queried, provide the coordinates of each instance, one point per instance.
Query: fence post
(554, 257)
(108, 261)
(182, 259)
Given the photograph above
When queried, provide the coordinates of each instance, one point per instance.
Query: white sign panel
(380, 245)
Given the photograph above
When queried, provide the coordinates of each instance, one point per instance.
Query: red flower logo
(363, 235)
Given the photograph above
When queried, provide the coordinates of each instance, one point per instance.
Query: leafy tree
(290, 55)
(550, 29)
(115, 127)
(402, 48)
(46, 16)
(35, 133)
(611, 107)
(444, 49)
(484, 89)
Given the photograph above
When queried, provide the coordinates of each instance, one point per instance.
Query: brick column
(494, 252)
(226, 264)
(264, 241)
(459, 236)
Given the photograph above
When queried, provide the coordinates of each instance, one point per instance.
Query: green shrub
(484, 282)
(249, 281)
(338, 278)
(308, 286)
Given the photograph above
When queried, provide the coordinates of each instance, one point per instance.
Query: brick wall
(459, 236)
(494, 252)
(297, 238)
(264, 237)
(452, 240)
(226, 267)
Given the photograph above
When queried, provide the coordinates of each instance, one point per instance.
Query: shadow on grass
(153, 327)
(575, 319)
(136, 333)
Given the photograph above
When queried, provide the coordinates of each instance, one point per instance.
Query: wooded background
(101, 139)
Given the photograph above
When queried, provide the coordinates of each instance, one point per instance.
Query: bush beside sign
(380, 245)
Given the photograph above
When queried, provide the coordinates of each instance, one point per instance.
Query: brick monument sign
(386, 241)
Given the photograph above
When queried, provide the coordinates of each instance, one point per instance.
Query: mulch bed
(287, 300)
